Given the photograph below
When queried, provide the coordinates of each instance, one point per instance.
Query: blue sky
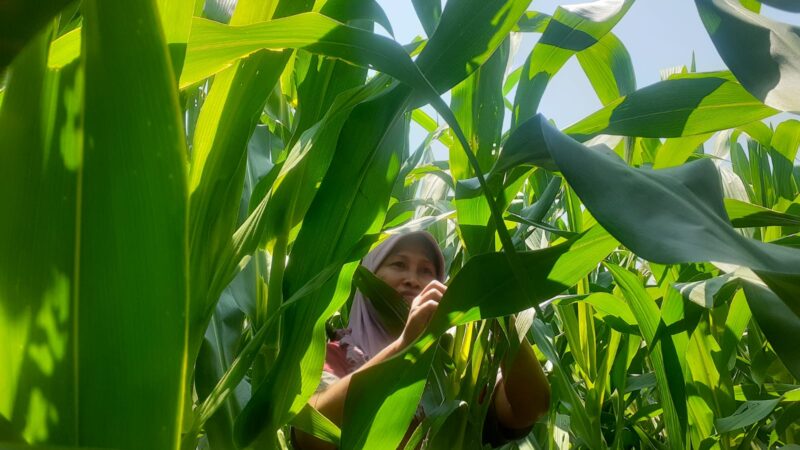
(657, 33)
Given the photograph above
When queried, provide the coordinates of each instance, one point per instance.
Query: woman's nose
(413, 280)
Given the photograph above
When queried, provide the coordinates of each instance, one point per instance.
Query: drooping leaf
(762, 53)
(703, 292)
(214, 46)
(682, 205)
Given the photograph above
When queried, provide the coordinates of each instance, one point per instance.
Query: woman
(414, 266)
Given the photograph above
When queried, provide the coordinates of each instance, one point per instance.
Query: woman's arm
(331, 401)
(523, 393)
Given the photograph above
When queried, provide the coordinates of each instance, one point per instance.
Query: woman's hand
(422, 308)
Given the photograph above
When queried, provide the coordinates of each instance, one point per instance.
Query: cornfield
(187, 194)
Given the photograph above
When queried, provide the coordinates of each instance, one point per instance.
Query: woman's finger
(435, 284)
(431, 294)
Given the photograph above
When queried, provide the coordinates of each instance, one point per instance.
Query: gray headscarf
(368, 336)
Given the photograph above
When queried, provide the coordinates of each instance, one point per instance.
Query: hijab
(367, 335)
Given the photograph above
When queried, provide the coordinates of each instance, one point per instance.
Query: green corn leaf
(346, 10)
(761, 52)
(675, 151)
(680, 106)
(613, 311)
(311, 421)
(532, 22)
(609, 68)
(786, 139)
(219, 156)
(309, 159)
(214, 46)
(391, 307)
(428, 12)
(681, 205)
(747, 414)
(468, 33)
(97, 253)
(711, 379)
(176, 21)
(703, 292)
(214, 359)
(777, 318)
(235, 373)
(743, 214)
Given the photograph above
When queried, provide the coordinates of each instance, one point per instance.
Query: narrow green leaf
(613, 311)
(743, 214)
(662, 353)
(778, 319)
(311, 421)
(747, 414)
(391, 307)
(675, 151)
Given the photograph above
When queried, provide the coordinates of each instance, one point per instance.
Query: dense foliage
(187, 193)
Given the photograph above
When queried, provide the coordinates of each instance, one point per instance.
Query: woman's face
(408, 268)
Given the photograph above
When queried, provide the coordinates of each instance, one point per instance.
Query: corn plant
(188, 189)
